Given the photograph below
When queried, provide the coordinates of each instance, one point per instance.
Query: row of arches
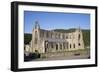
(48, 34)
(59, 46)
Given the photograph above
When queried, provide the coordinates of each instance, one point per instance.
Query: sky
(55, 20)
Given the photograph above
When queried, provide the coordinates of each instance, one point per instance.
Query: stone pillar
(62, 46)
(58, 46)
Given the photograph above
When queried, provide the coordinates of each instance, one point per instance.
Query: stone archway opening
(56, 46)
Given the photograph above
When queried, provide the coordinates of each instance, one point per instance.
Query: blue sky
(55, 20)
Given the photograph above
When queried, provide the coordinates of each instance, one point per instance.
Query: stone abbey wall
(44, 41)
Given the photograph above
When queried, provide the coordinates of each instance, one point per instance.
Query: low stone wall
(65, 53)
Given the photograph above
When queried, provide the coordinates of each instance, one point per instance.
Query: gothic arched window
(63, 36)
(79, 44)
(35, 37)
(79, 37)
(46, 45)
(56, 46)
(66, 37)
(60, 46)
(67, 45)
(51, 44)
(74, 45)
(70, 46)
(63, 45)
(51, 35)
(59, 36)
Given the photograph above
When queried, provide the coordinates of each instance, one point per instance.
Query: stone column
(62, 46)
(58, 46)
